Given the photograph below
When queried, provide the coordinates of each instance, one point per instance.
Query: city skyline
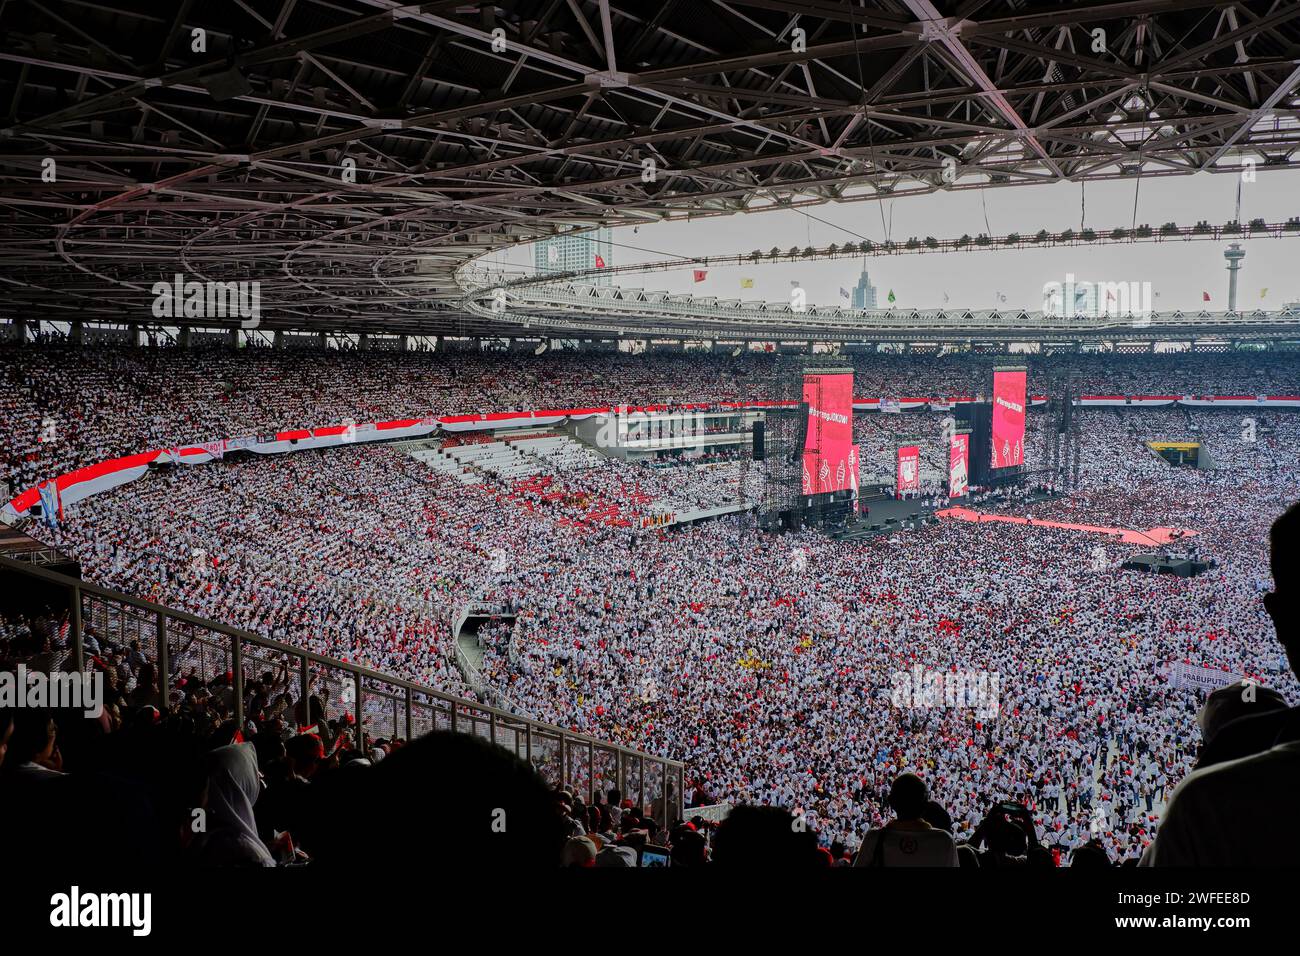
(1179, 273)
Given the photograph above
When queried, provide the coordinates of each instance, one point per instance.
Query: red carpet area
(1127, 535)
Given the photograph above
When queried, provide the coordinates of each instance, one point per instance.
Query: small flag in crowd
(747, 283)
(701, 274)
(1263, 292)
(600, 262)
(51, 503)
(844, 293)
(1205, 296)
(891, 295)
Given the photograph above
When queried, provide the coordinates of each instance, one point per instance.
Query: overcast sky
(1178, 271)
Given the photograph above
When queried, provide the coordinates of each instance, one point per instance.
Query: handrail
(527, 731)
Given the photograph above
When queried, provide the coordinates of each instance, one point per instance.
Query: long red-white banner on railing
(96, 478)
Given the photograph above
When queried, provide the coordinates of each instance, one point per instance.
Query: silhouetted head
(937, 816)
(444, 800)
(908, 796)
(1091, 854)
(6, 731)
(764, 837)
(1283, 603)
(33, 739)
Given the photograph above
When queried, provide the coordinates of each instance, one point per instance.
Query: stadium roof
(476, 126)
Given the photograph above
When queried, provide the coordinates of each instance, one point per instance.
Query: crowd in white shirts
(780, 668)
(65, 407)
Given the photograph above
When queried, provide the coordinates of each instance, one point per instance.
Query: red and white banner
(1241, 401)
(199, 454)
(1152, 401)
(909, 469)
(958, 465)
(103, 476)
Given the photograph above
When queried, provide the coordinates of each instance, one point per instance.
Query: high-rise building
(575, 252)
(864, 293)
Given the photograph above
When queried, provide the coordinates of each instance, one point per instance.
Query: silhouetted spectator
(908, 840)
(1238, 813)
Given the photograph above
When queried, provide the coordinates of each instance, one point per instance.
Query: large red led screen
(828, 451)
(1008, 418)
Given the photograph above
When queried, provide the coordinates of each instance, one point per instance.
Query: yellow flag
(747, 283)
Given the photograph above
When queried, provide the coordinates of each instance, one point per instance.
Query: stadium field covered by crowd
(959, 694)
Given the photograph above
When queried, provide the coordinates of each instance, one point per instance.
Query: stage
(885, 516)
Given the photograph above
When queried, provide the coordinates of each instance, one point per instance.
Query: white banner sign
(1193, 675)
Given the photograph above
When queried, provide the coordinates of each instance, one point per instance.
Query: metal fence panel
(231, 668)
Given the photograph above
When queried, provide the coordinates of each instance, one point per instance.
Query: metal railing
(185, 649)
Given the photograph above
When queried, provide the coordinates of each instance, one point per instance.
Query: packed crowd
(1080, 733)
(769, 666)
(777, 668)
(65, 407)
(623, 493)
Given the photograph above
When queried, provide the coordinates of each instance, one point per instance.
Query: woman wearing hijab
(234, 784)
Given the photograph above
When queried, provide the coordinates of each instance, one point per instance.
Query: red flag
(1205, 296)
(600, 262)
(701, 274)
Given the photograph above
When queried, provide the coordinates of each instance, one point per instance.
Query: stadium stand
(316, 553)
(361, 553)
